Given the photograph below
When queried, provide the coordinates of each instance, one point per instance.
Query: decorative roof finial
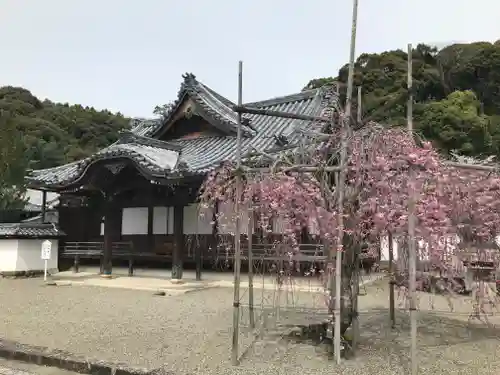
(188, 77)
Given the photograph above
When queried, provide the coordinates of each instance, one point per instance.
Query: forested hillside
(456, 89)
(55, 133)
(41, 134)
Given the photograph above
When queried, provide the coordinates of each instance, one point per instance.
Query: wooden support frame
(44, 206)
(178, 254)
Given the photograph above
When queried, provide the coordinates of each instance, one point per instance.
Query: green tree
(472, 70)
(455, 124)
(12, 164)
(163, 110)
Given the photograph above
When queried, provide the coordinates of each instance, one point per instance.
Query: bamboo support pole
(355, 278)
(411, 229)
(250, 269)
(359, 107)
(342, 177)
(392, 311)
(237, 237)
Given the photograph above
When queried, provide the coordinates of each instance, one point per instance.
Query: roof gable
(195, 98)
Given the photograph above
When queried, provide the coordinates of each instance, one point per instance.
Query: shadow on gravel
(434, 329)
(436, 332)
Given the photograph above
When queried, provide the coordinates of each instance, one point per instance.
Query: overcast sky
(129, 55)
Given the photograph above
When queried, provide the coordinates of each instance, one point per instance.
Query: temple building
(142, 189)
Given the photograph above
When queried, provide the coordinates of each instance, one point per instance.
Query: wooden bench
(95, 250)
(85, 250)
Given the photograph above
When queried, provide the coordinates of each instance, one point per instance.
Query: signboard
(46, 249)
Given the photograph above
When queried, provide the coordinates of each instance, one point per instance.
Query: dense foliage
(457, 101)
(41, 134)
(12, 164)
(386, 168)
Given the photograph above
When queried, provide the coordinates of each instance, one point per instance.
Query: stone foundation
(66, 361)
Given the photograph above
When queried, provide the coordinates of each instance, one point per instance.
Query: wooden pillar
(178, 255)
(107, 256)
(44, 206)
(198, 258)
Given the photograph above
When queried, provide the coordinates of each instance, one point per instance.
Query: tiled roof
(151, 156)
(268, 128)
(198, 155)
(50, 217)
(144, 127)
(30, 230)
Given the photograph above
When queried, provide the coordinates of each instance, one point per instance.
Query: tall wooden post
(342, 177)
(237, 236)
(392, 311)
(359, 107)
(107, 255)
(44, 206)
(178, 255)
(250, 268)
(356, 259)
(411, 228)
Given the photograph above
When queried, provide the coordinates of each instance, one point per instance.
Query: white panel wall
(227, 218)
(278, 225)
(205, 220)
(8, 255)
(190, 224)
(25, 255)
(198, 220)
(313, 227)
(135, 220)
(29, 255)
(384, 248)
(163, 220)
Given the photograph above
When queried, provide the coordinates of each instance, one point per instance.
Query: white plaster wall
(163, 220)
(25, 255)
(190, 218)
(8, 255)
(197, 219)
(278, 225)
(422, 248)
(227, 219)
(135, 220)
(29, 253)
(384, 248)
(205, 220)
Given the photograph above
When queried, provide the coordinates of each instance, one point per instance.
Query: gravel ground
(191, 333)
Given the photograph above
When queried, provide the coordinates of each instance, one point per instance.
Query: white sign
(46, 249)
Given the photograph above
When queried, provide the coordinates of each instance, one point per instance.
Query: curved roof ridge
(129, 137)
(307, 94)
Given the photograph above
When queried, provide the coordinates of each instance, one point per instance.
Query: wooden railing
(260, 251)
